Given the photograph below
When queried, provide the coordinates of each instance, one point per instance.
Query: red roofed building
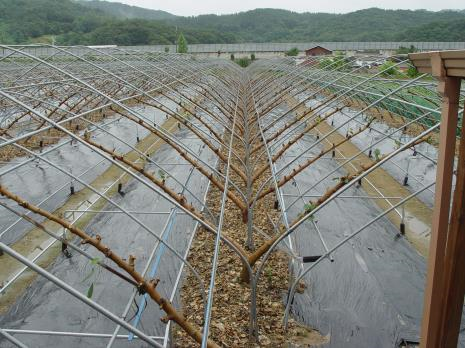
(317, 51)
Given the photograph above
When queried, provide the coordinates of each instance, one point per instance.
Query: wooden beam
(453, 62)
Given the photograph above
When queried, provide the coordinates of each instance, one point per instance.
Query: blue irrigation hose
(153, 270)
(158, 258)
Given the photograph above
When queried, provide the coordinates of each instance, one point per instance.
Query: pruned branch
(144, 286)
(310, 161)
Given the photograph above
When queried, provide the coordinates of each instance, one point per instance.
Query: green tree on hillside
(5, 38)
(182, 44)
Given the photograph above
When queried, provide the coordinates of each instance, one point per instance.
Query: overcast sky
(196, 7)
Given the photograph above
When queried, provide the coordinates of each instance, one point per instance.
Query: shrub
(405, 50)
(292, 52)
(325, 63)
(337, 62)
(388, 69)
(244, 62)
(412, 72)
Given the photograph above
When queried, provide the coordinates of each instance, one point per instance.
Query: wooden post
(454, 261)
(434, 302)
(445, 283)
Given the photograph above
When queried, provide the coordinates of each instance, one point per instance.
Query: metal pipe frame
(220, 106)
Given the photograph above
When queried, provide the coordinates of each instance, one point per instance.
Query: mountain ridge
(93, 22)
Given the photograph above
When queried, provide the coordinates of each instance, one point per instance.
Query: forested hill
(271, 25)
(99, 22)
(126, 11)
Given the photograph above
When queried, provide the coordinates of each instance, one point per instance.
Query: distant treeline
(97, 23)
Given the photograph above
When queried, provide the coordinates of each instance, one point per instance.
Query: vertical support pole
(405, 183)
(64, 246)
(454, 260)
(402, 221)
(433, 310)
